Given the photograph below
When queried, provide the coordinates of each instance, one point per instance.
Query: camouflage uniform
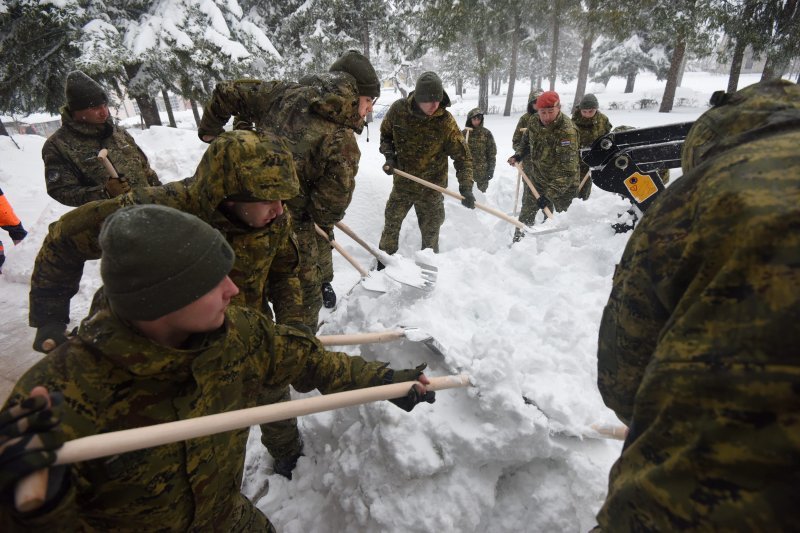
(73, 173)
(420, 145)
(698, 342)
(554, 153)
(113, 378)
(267, 259)
(483, 150)
(518, 140)
(319, 119)
(589, 129)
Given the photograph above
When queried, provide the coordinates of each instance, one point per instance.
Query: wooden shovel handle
(31, 491)
(361, 338)
(381, 256)
(448, 192)
(584, 180)
(343, 252)
(535, 193)
(102, 155)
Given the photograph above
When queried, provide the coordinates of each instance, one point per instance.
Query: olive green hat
(251, 166)
(737, 114)
(429, 88)
(156, 260)
(357, 65)
(82, 92)
(589, 101)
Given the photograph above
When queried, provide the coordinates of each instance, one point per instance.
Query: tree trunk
(554, 50)
(630, 80)
(147, 105)
(583, 68)
(682, 70)
(736, 65)
(365, 44)
(672, 77)
(777, 56)
(3, 130)
(512, 70)
(168, 107)
(483, 75)
(459, 86)
(195, 112)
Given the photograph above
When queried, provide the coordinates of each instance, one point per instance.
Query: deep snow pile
(521, 320)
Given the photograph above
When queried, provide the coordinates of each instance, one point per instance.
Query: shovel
(482, 207)
(375, 284)
(409, 333)
(414, 274)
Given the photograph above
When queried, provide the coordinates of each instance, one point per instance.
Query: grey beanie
(589, 101)
(429, 88)
(83, 92)
(357, 65)
(157, 260)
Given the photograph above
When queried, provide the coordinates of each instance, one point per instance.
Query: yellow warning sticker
(641, 186)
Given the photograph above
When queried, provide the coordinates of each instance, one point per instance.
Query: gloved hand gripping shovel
(403, 270)
(482, 207)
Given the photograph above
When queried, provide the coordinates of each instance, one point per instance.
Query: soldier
(551, 142)
(522, 126)
(73, 173)
(481, 147)
(319, 117)
(238, 188)
(10, 222)
(418, 134)
(591, 125)
(698, 342)
(161, 343)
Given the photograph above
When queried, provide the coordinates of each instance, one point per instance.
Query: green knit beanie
(589, 101)
(429, 88)
(357, 65)
(83, 92)
(157, 260)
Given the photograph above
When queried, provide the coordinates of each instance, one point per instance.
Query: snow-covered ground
(521, 321)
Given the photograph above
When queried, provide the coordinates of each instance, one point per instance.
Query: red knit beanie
(547, 99)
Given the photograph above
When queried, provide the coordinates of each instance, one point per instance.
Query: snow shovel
(482, 207)
(30, 495)
(414, 274)
(409, 333)
(368, 282)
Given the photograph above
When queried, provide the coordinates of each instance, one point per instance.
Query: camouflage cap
(429, 88)
(156, 260)
(253, 166)
(535, 93)
(751, 108)
(357, 65)
(82, 92)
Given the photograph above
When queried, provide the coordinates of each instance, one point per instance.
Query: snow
(522, 321)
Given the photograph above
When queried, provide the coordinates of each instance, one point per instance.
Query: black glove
(28, 440)
(469, 199)
(285, 465)
(542, 202)
(514, 159)
(407, 402)
(55, 332)
(388, 167)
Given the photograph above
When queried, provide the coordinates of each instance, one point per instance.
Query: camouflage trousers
(310, 273)
(325, 257)
(530, 207)
(281, 438)
(430, 214)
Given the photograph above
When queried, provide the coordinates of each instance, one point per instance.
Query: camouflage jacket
(112, 378)
(420, 145)
(318, 119)
(74, 175)
(697, 348)
(267, 259)
(483, 150)
(590, 129)
(554, 155)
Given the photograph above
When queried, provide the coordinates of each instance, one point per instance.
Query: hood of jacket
(472, 114)
(335, 98)
(412, 104)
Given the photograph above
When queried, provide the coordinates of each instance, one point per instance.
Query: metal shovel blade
(412, 273)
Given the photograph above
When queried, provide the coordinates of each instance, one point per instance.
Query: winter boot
(328, 296)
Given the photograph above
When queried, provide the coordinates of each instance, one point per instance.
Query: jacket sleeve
(491, 154)
(244, 98)
(387, 147)
(456, 148)
(629, 328)
(9, 220)
(150, 175)
(332, 192)
(62, 179)
(300, 360)
(283, 282)
(518, 140)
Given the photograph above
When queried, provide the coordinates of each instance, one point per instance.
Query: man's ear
(226, 203)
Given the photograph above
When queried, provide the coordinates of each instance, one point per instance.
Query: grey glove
(469, 199)
(54, 332)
